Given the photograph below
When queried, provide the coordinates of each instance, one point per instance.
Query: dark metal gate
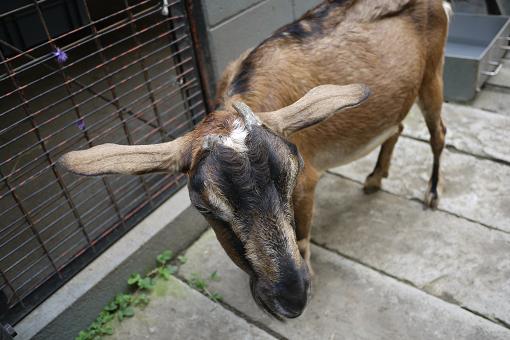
(75, 74)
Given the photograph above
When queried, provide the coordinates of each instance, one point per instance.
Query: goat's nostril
(291, 307)
(287, 299)
(293, 298)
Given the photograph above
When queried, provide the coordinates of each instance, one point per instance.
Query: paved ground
(386, 268)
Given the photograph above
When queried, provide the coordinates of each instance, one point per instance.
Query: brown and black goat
(287, 111)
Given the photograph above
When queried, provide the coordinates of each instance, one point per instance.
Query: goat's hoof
(431, 200)
(370, 189)
(372, 184)
(433, 193)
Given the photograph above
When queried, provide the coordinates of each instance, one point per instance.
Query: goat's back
(378, 42)
(388, 45)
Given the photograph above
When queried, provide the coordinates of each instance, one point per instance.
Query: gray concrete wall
(232, 26)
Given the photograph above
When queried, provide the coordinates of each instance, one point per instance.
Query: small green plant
(141, 300)
(122, 306)
(214, 276)
(98, 328)
(182, 259)
(164, 257)
(138, 282)
(201, 284)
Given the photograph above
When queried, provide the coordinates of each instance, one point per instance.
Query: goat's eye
(202, 210)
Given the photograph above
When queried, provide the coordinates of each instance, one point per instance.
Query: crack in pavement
(455, 150)
(419, 200)
(496, 321)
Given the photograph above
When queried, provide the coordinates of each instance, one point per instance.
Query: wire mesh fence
(75, 74)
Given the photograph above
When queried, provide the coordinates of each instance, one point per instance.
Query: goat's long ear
(318, 104)
(105, 159)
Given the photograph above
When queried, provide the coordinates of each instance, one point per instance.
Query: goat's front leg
(303, 200)
(373, 181)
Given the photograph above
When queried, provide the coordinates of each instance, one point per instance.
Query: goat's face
(242, 183)
(242, 173)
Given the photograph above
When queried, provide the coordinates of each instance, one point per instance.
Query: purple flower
(81, 124)
(60, 55)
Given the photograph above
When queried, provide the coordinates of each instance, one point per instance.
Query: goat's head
(242, 173)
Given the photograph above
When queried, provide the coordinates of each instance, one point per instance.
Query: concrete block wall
(232, 26)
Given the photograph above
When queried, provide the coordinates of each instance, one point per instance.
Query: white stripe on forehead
(235, 140)
(237, 137)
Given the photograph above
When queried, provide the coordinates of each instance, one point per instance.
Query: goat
(288, 110)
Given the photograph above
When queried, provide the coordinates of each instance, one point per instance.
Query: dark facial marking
(231, 243)
(254, 184)
(223, 230)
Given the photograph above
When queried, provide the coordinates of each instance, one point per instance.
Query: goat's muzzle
(286, 298)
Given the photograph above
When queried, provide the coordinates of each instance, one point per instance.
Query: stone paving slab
(495, 95)
(350, 301)
(176, 311)
(470, 130)
(493, 99)
(459, 261)
(473, 188)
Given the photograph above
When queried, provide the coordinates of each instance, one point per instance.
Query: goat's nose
(292, 296)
